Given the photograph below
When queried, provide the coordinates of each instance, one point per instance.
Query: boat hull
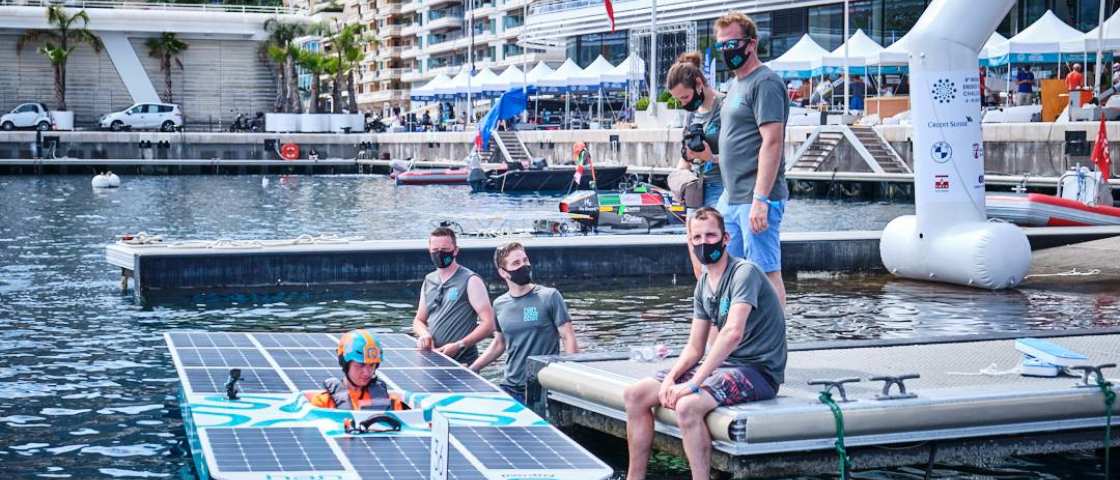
(1038, 210)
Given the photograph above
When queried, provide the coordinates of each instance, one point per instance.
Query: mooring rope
(1109, 400)
(841, 452)
(1070, 273)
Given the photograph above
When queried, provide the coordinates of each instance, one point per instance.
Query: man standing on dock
(454, 313)
(751, 143)
(532, 320)
(746, 362)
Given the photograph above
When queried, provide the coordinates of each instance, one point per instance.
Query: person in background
(1024, 81)
(687, 84)
(752, 136)
(1075, 78)
(533, 320)
(454, 312)
(857, 90)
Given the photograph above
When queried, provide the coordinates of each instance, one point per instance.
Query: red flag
(1100, 156)
(610, 12)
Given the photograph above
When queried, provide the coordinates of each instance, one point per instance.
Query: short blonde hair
(744, 22)
(503, 251)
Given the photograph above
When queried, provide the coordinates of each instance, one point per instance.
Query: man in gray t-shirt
(454, 312)
(751, 145)
(531, 321)
(745, 363)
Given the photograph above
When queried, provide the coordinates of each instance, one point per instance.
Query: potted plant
(643, 117)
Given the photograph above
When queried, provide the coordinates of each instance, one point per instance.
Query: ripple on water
(119, 451)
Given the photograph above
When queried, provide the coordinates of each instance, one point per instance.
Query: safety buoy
(289, 151)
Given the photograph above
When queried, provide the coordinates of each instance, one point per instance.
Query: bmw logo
(941, 152)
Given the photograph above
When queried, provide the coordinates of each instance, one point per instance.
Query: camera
(694, 137)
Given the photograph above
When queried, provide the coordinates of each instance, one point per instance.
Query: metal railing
(140, 5)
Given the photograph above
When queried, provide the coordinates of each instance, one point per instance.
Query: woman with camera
(700, 143)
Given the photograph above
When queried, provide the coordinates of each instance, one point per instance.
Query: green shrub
(642, 104)
(664, 96)
(673, 103)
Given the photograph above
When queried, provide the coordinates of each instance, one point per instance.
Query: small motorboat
(433, 176)
(1084, 198)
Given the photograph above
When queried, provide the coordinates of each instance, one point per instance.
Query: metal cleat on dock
(899, 380)
(838, 384)
(1086, 370)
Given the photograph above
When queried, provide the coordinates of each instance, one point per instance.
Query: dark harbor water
(87, 388)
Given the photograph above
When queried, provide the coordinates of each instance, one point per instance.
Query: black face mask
(697, 100)
(442, 258)
(708, 253)
(735, 58)
(521, 276)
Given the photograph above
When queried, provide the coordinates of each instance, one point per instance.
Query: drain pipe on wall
(950, 239)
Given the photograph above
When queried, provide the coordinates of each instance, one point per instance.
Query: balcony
(446, 22)
(382, 96)
(410, 29)
(435, 3)
(388, 10)
(411, 75)
(391, 73)
(389, 31)
(449, 70)
(410, 52)
(513, 32)
(410, 7)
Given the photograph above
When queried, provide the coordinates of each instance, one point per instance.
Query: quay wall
(1010, 149)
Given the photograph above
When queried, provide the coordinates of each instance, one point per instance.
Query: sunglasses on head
(732, 43)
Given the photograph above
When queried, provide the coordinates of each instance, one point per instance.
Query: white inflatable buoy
(106, 180)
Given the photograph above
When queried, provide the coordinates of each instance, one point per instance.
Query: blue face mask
(734, 52)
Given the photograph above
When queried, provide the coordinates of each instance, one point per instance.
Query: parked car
(164, 116)
(28, 115)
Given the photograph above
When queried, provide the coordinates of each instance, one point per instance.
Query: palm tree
(348, 48)
(283, 35)
(333, 67)
(315, 63)
(166, 48)
(59, 43)
(275, 55)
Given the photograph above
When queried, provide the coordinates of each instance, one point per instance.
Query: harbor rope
(1109, 400)
(826, 398)
(1070, 273)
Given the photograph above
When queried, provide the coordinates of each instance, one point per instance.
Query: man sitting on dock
(454, 312)
(532, 319)
(746, 363)
(359, 355)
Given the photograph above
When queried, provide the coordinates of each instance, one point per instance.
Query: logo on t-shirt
(529, 314)
(724, 306)
(453, 294)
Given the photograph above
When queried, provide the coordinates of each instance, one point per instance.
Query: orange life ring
(289, 151)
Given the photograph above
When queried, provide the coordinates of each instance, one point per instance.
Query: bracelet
(695, 389)
(762, 198)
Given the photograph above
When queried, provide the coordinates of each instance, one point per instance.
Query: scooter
(240, 124)
(257, 124)
(376, 126)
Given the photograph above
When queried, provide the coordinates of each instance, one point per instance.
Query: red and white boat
(449, 176)
(1084, 198)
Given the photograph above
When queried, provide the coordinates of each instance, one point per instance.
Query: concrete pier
(183, 267)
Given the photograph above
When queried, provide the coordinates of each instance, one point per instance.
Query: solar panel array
(290, 362)
(283, 363)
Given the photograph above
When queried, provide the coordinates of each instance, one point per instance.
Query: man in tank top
(454, 312)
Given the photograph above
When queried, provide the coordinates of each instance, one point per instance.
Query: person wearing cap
(359, 355)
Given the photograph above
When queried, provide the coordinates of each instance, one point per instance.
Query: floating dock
(271, 431)
(969, 405)
(900, 186)
(169, 268)
(183, 166)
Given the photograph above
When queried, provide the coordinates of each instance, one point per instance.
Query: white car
(163, 116)
(28, 115)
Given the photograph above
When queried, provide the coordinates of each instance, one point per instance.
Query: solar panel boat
(272, 431)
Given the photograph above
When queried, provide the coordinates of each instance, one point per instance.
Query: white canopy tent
(797, 62)
(860, 50)
(512, 77)
(458, 84)
(487, 81)
(538, 72)
(896, 55)
(986, 50)
(629, 71)
(431, 88)
(1041, 42)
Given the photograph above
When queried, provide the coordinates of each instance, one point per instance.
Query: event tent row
(1046, 40)
(567, 78)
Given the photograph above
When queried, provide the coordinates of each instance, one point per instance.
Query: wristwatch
(462, 345)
